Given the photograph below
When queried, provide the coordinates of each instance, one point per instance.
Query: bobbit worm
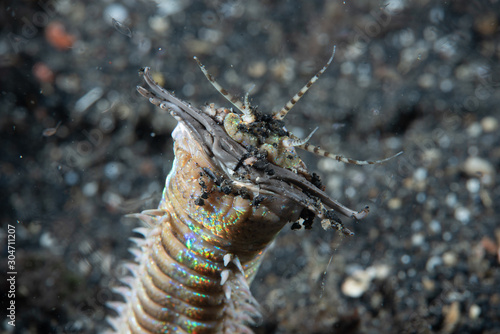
(236, 181)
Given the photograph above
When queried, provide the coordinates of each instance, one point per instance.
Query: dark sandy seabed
(418, 76)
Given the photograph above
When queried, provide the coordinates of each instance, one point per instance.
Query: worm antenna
(298, 142)
(247, 103)
(289, 105)
(318, 151)
(244, 108)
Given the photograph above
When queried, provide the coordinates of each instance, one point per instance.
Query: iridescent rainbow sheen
(178, 281)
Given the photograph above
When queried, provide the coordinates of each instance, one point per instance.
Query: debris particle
(51, 131)
(121, 28)
(56, 35)
(88, 99)
(452, 315)
(474, 311)
(489, 124)
(481, 168)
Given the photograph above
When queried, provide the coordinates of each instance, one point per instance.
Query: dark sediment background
(80, 149)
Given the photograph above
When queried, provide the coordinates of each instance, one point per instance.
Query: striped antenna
(247, 95)
(244, 108)
(294, 141)
(318, 151)
(289, 105)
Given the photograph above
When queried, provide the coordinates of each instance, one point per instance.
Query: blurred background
(80, 149)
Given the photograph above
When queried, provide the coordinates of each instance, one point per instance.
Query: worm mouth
(242, 166)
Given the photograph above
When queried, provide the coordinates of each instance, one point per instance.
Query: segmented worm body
(236, 181)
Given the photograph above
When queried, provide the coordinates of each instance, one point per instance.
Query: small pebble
(474, 311)
(474, 130)
(481, 168)
(90, 189)
(421, 197)
(426, 81)
(405, 259)
(462, 214)
(112, 199)
(257, 69)
(432, 156)
(473, 185)
(84, 267)
(347, 68)
(489, 245)
(115, 11)
(71, 178)
(420, 174)
(450, 259)
(46, 240)
(417, 239)
(359, 281)
(489, 124)
(428, 284)
(112, 170)
(417, 225)
(451, 200)
(452, 316)
(381, 271)
(377, 300)
(159, 24)
(435, 226)
(433, 262)
(486, 24)
(350, 192)
(394, 203)
(355, 287)
(446, 85)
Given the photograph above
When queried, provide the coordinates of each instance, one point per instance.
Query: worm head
(254, 151)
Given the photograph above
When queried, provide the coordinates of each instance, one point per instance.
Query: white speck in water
(405, 259)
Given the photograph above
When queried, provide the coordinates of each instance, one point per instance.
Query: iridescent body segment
(236, 181)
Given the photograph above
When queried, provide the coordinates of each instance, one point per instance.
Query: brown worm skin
(205, 241)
